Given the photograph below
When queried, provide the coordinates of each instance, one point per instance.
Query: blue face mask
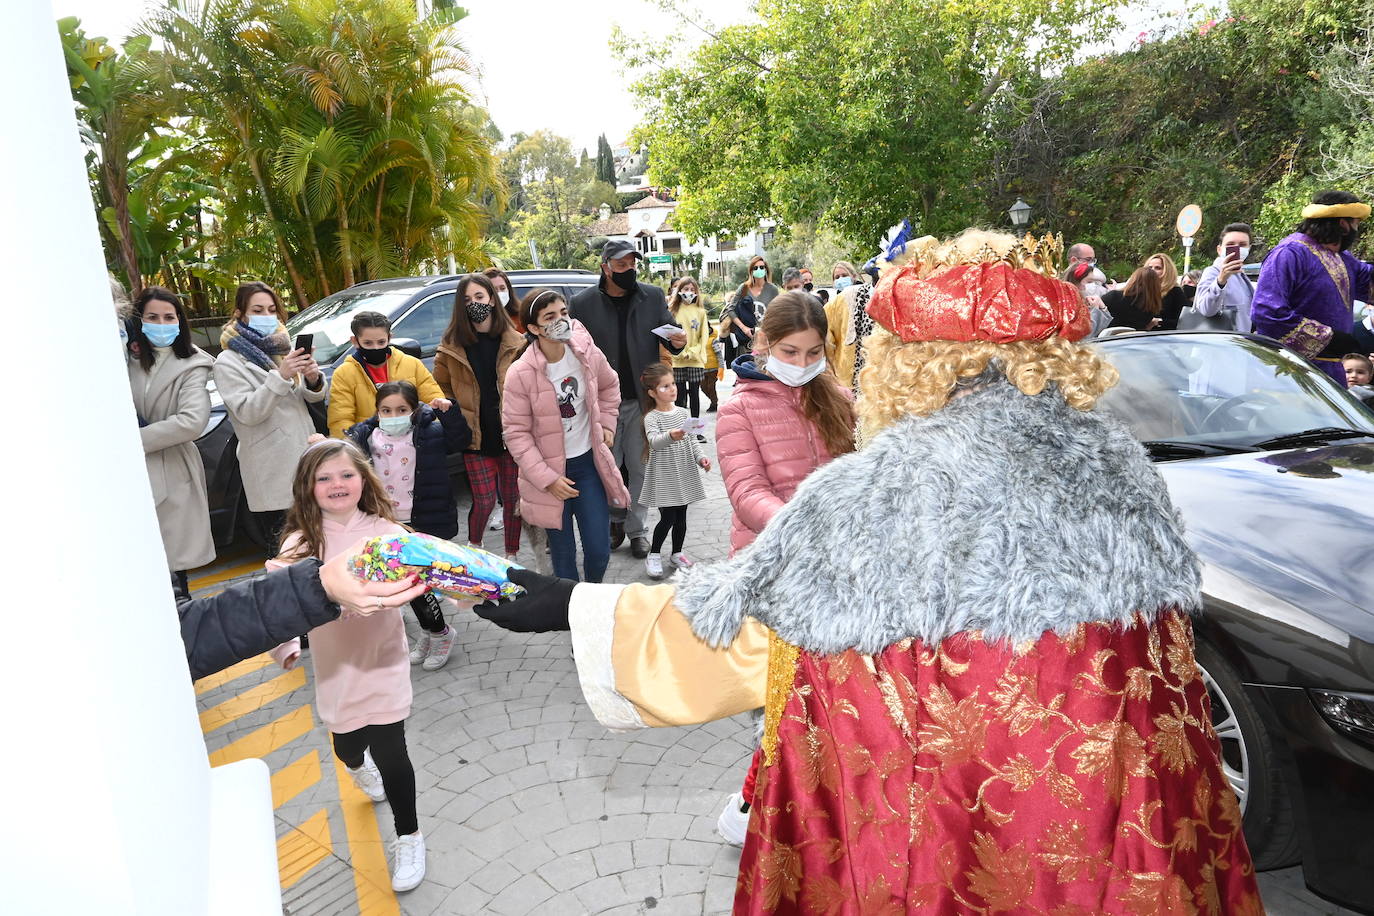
(263, 324)
(842, 283)
(161, 335)
(394, 426)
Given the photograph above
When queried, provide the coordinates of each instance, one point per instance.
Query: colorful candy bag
(456, 570)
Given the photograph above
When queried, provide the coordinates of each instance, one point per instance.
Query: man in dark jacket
(621, 314)
(250, 617)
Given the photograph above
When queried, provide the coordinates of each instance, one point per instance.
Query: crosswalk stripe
(219, 678)
(251, 700)
(265, 740)
(370, 873)
(294, 778)
(304, 847)
(225, 575)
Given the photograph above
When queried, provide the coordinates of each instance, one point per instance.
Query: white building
(648, 225)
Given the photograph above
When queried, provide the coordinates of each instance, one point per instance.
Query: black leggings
(674, 517)
(689, 396)
(388, 746)
(430, 613)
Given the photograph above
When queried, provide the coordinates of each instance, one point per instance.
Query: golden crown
(928, 254)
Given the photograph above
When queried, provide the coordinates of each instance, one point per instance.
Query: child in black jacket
(409, 444)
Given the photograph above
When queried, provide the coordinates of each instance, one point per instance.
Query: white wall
(103, 765)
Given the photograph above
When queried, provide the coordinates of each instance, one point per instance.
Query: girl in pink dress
(362, 665)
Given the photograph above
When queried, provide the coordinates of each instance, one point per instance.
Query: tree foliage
(886, 120)
(315, 143)
(1216, 115)
(554, 197)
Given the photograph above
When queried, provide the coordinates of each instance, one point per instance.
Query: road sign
(660, 263)
(1189, 221)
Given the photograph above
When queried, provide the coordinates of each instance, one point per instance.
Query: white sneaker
(368, 779)
(653, 565)
(682, 561)
(420, 649)
(497, 523)
(733, 823)
(511, 558)
(408, 862)
(439, 648)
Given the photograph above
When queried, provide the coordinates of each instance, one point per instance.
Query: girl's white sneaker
(368, 779)
(653, 565)
(407, 862)
(419, 650)
(682, 561)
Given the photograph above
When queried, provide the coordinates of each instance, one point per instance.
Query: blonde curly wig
(919, 378)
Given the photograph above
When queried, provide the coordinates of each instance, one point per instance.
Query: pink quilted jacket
(765, 447)
(533, 429)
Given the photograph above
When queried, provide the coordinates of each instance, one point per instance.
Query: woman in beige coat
(168, 377)
(266, 385)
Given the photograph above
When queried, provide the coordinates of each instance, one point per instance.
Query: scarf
(262, 350)
(863, 326)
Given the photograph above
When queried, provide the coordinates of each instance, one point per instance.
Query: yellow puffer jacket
(353, 394)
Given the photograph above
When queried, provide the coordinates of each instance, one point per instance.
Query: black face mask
(625, 279)
(374, 356)
(808, 286)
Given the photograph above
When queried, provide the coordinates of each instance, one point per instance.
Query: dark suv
(419, 309)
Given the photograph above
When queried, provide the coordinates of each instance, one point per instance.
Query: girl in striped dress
(671, 478)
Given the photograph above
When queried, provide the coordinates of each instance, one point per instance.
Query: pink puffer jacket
(765, 447)
(534, 431)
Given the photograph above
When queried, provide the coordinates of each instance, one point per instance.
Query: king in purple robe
(1307, 287)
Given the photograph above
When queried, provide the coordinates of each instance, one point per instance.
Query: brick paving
(529, 805)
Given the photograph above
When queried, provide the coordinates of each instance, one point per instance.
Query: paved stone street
(527, 804)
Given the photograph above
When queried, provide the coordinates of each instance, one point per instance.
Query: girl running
(362, 675)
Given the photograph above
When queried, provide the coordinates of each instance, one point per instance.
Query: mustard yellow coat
(353, 394)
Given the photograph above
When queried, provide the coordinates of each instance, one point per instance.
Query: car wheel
(1250, 762)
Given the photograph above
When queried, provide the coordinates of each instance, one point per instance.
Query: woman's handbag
(1190, 320)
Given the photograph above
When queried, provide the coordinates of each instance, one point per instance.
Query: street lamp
(1020, 213)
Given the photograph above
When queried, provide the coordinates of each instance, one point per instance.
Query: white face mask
(558, 329)
(504, 296)
(688, 296)
(795, 376)
(1244, 253)
(1094, 288)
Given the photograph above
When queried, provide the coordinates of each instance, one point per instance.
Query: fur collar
(1001, 514)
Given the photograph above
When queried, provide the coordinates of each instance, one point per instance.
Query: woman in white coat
(265, 386)
(168, 377)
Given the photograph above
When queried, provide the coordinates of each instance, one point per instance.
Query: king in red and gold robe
(976, 664)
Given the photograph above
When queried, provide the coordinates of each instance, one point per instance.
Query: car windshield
(328, 319)
(1223, 390)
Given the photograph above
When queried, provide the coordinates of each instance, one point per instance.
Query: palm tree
(213, 60)
(119, 108)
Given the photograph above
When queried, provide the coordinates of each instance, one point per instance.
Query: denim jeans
(593, 516)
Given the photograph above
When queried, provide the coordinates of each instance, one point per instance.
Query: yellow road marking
(371, 876)
(252, 699)
(225, 575)
(303, 848)
(267, 739)
(247, 666)
(294, 778)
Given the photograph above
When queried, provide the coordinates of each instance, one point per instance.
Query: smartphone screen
(305, 342)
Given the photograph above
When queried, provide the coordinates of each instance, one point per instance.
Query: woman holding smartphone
(265, 382)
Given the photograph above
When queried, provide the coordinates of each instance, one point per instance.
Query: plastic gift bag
(456, 570)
